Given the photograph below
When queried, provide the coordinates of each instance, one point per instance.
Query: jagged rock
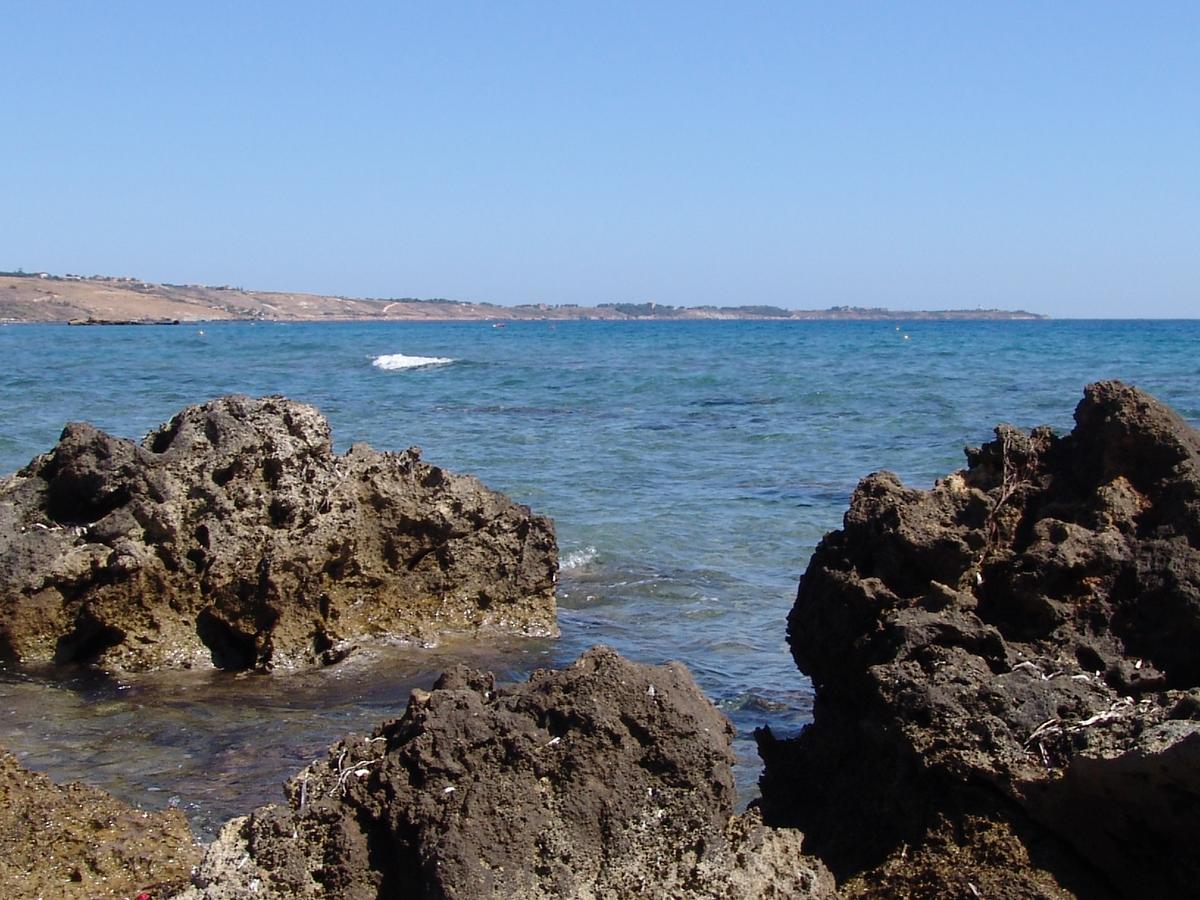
(1006, 669)
(76, 841)
(234, 536)
(605, 779)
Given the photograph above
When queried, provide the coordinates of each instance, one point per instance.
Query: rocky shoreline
(1005, 667)
(607, 778)
(77, 841)
(233, 536)
(1009, 660)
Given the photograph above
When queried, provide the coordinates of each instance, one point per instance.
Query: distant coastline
(107, 300)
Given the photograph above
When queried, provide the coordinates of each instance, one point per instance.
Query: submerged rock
(606, 779)
(233, 536)
(77, 841)
(1006, 669)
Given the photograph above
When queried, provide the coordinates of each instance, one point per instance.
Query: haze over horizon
(930, 156)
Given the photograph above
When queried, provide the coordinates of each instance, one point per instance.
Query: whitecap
(578, 559)
(392, 361)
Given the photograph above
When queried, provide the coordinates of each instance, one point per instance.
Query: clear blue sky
(910, 155)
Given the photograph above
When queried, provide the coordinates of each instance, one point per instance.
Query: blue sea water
(691, 468)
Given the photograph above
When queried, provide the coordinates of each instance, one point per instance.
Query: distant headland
(107, 300)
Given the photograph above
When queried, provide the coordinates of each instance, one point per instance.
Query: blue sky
(921, 155)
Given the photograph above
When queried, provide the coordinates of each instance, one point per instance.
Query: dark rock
(606, 779)
(77, 841)
(1012, 654)
(234, 536)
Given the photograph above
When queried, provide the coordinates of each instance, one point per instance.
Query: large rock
(606, 779)
(234, 536)
(1007, 670)
(76, 841)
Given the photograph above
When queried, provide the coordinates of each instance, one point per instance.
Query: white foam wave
(578, 559)
(390, 361)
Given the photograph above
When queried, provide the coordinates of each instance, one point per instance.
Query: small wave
(392, 361)
(578, 559)
(739, 401)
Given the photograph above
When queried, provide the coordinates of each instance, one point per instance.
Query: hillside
(98, 299)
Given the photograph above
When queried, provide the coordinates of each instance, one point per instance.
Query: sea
(690, 467)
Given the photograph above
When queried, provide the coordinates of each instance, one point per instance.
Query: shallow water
(690, 468)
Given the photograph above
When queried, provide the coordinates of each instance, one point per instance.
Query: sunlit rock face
(233, 536)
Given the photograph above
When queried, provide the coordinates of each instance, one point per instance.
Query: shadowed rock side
(1007, 670)
(605, 779)
(77, 841)
(234, 536)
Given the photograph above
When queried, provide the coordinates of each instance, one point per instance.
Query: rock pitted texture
(1007, 669)
(234, 536)
(77, 841)
(606, 779)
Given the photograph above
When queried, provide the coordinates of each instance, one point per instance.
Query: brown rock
(606, 779)
(233, 536)
(1017, 648)
(76, 841)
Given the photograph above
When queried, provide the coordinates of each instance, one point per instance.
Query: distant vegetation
(642, 310)
(660, 311)
(752, 311)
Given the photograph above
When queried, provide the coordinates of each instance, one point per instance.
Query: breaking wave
(578, 559)
(392, 361)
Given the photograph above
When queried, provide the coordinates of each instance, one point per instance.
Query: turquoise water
(690, 467)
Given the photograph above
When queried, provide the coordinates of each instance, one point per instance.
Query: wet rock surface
(1007, 670)
(75, 841)
(233, 536)
(605, 779)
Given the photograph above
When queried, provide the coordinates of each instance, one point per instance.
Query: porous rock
(605, 779)
(234, 536)
(74, 841)
(1006, 669)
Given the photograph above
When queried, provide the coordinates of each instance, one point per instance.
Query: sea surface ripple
(691, 468)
